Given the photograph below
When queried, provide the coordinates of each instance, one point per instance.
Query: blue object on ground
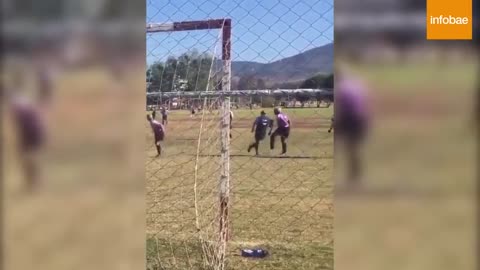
(254, 253)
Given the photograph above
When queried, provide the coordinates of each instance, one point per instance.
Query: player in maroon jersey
(351, 121)
(30, 130)
(283, 130)
(158, 133)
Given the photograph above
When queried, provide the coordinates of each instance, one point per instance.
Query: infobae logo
(449, 20)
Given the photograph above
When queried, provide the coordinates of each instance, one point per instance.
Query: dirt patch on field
(426, 105)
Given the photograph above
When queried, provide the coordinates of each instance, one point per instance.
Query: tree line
(194, 71)
(187, 72)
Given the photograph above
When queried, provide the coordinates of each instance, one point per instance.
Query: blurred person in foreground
(30, 129)
(351, 122)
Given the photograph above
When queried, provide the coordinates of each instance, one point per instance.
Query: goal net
(188, 185)
(278, 202)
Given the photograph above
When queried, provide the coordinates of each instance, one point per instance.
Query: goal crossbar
(187, 25)
(224, 24)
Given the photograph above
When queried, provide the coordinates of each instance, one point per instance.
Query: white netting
(183, 216)
(282, 55)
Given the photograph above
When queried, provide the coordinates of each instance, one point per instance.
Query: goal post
(225, 28)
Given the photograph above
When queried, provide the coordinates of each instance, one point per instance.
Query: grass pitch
(281, 204)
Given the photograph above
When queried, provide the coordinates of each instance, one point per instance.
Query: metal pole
(225, 142)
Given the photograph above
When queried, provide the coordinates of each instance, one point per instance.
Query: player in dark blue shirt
(164, 112)
(260, 128)
(192, 111)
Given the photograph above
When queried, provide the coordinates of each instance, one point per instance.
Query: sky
(262, 30)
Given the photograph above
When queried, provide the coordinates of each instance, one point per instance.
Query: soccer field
(284, 205)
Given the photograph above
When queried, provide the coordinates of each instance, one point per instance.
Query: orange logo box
(449, 19)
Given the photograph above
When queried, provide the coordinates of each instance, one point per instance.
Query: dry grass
(281, 204)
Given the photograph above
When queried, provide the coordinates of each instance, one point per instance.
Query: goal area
(204, 229)
(207, 196)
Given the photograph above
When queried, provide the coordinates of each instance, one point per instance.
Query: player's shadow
(384, 192)
(271, 157)
(190, 139)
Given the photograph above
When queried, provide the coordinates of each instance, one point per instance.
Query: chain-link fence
(218, 187)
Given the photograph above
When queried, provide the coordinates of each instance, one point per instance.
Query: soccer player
(260, 126)
(30, 130)
(283, 130)
(158, 133)
(192, 111)
(45, 84)
(231, 120)
(331, 124)
(154, 113)
(351, 122)
(164, 112)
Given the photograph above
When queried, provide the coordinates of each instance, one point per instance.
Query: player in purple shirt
(283, 130)
(31, 138)
(158, 133)
(260, 126)
(231, 122)
(351, 121)
(30, 130)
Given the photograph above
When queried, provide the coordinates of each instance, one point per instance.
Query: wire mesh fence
(218, 186)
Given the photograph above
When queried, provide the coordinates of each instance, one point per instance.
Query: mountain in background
(295, 68)
(291, 72)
